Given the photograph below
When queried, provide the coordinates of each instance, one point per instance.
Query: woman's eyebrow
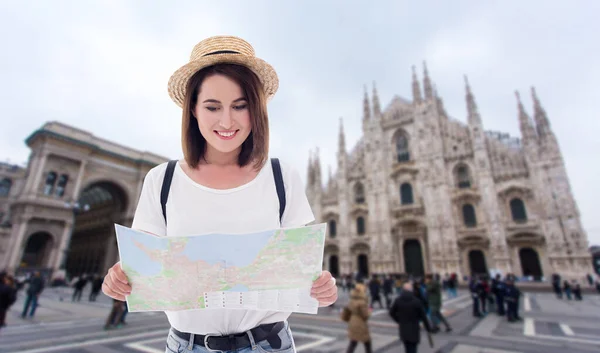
(216, 101)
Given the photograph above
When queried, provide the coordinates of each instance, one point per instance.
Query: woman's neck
(217, 158)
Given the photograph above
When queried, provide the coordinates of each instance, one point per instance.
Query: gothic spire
(311, 174)
(342, 138)
(416, 88)
(376, 106)
(473, 116)
(527, 130)
(541, 119)
(366, 107)
(439, 103)
(427, 88)
(317, 163)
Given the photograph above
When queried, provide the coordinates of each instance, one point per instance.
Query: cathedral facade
(423, 193)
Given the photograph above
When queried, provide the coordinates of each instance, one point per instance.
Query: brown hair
(256, 146)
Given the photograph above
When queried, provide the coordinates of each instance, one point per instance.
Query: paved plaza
(549, 325)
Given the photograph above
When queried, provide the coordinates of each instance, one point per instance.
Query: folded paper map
(271, 270)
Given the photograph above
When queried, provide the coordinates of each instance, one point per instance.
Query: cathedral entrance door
(477, 263)
(413, 258)
(363, 266)
(334, 266)
(530, 263)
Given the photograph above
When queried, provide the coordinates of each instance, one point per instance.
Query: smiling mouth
(226, 135)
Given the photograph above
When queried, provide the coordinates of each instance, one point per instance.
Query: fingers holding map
(272, 270)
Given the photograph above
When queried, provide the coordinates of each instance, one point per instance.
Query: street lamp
(76, 209)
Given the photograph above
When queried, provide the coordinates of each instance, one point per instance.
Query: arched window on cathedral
(469, 217)
(463, 177)
(332, 228)
(5, 186)
(359, 193)
(402, 153)
(517, 209)
(50, 182)
(360, 226)
(62, 184)
(406, 194)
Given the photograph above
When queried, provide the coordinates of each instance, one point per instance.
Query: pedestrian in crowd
(408, 311)
(388, 288)
(375, 290)
(452, 286)
(356, 314)
(598, 284)
(484, 294)
(8, 295)
(567, 289)
(512, 296)
(577, 291)
(96, 287)
(434, 298)
(499, 290)
(556, 285)
(475, 289)
(445, 285)
(36, 286)
(349, 283)
(114, 317)
(124, 314)
(79, 285)
(420, 293)
(223, 92)
(398, 284)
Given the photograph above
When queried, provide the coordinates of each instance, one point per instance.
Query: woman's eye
(212, 109)
(241, 107)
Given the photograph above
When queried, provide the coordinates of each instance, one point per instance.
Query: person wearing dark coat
(388, 288)
(577, 291)
(556, 285)
(499, 290)
(79, 285)
(434, 299)
(512, 301)
(96, 287)
(475, 288)
(407, 310)
(374, 289)
(36, 286)
(8, 296)
(567, 289)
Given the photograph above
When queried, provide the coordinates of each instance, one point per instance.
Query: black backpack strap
(166, 185)
(279, 186)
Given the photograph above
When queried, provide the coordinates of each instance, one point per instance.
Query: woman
(358, 313)
(223, 185)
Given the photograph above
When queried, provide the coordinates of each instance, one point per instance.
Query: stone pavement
(549, 325)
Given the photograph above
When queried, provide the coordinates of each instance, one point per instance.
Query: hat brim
(265, 72)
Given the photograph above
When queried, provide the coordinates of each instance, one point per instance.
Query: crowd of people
(416, 300)
(35, 283)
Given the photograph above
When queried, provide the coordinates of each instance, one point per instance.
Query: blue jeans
(178, 345)
(30, 301)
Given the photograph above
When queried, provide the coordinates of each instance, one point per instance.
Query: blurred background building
(421, 192)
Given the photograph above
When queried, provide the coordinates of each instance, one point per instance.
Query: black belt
(236, 341)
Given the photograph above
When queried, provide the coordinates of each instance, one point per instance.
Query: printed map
(271, 270)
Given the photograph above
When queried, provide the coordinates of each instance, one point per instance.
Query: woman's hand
(115, 283)
(324, 289)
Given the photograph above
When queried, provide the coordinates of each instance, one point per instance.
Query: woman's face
(223, 115)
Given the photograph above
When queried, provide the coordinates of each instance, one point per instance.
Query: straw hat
(217, 50)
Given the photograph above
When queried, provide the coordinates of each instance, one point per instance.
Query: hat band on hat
(222, 52)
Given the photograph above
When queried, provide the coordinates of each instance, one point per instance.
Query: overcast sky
(103, 67)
